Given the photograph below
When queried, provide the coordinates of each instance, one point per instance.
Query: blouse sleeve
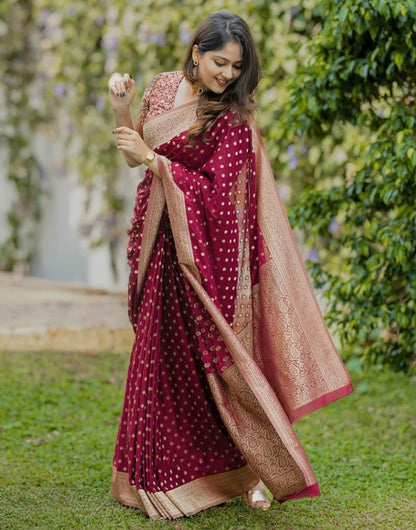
(145, 106)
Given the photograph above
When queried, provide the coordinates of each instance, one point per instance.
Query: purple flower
(157, 38)
(110, 219)
(284, 192)
(59, 90)
(293, 159)
(43, 17)
(60, 171)
(99, 21)
(16, 63)
(110, 64)
(333, 227)
(110, 40)
(85, 229)
(185, 34)
(115, 240)
(109, 43)
(100, 104)
(314, 255)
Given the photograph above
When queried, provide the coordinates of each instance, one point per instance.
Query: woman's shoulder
(165, 79)
(160, 93)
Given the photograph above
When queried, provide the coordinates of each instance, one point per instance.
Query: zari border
(154, 214)
(179, 119)
(162, 128)
(188, 499)
(273, 452)
(177, 213)
(291, 270)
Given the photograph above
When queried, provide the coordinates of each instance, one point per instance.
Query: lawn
(58, 420)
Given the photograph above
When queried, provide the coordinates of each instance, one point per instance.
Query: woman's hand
(122, 91)
(131, 144)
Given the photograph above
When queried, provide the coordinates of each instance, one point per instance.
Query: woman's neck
(185, 94)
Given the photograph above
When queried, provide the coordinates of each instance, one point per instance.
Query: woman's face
(217, 69)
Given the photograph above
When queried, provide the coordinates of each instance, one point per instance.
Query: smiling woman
(217, 71)
(230, 347)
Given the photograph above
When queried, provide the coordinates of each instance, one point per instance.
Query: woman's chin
(217, 89)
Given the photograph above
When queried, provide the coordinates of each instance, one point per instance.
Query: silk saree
(230, 345)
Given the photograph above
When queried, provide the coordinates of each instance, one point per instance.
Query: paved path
(33, 305)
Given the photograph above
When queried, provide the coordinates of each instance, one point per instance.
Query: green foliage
(75, 46)
(58, 421)
(18, 60)
(359, 86)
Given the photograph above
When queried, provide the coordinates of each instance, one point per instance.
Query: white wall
(62, 254)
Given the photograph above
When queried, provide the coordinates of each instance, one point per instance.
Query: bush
(358, 91)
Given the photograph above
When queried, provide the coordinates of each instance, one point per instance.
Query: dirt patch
(90, 341)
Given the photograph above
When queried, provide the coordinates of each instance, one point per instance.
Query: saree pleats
(230, 345)
(171, 434)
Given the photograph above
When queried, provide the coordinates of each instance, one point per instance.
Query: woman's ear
(195, 53)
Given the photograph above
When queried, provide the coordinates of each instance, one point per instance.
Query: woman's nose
(228, 72)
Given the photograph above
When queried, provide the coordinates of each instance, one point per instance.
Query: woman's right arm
(122, 93)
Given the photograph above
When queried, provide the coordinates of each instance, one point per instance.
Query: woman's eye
(234, 66)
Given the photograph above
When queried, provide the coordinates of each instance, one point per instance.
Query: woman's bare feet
(257, 497)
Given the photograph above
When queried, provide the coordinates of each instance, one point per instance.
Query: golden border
(273, 453)
(289, 271)
(164, 127)
(177, 214)
(188, 499)
(154, 214)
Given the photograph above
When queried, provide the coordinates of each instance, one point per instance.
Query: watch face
(150, 157)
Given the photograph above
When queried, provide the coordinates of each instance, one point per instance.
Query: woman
(230, 347)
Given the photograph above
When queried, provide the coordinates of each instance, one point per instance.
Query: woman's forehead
(231, 52)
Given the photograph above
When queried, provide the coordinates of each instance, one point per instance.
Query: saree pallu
(230, 345)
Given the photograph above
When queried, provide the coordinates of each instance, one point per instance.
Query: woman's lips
(221, 82)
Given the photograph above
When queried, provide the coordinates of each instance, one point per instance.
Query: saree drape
(230, 345)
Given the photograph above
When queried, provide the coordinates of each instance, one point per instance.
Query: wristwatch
(151, 155)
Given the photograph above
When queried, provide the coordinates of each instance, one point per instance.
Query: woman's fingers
(113, 78)
(118, 89)
(115, 82)
(120, 85)
(121, 88)
(123, 85)
(126, 146)
(129, 82)
(125, 130)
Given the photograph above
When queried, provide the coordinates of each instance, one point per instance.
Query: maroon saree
(230, 345)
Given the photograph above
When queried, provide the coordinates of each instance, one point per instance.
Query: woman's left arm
(132, 145)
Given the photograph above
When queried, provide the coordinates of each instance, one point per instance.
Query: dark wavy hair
(213, 34)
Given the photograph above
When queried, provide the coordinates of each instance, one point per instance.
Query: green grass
(58, 422)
